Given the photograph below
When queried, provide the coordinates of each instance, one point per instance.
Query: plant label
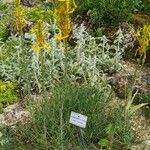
(78, 119)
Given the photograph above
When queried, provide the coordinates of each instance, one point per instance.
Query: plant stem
(61, 126)
(66, 54)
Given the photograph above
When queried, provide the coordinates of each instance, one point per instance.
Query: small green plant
(130, 108)
(7, 93)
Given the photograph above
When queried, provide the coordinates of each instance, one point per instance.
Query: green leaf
(103, 143)
(135, 108)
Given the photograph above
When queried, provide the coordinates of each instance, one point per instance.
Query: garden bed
(89, 57)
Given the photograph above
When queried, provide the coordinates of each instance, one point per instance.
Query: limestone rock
(133, 76)
(14, 114)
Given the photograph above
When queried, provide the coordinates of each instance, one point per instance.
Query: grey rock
(14, 114)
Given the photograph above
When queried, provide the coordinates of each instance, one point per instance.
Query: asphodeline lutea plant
(63, 18)
(143, 37)
(40, 37)
(20, 21)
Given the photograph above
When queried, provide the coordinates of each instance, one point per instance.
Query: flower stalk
(41, 37)
(63, 17)
(20, 22)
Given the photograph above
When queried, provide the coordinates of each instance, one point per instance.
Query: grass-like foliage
(49, 127)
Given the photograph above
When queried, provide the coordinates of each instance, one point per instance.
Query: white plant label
(78, 119)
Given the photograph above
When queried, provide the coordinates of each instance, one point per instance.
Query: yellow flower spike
(20, 22)
(63, 17)
(143, 37)
(17, 2)
(40, 42)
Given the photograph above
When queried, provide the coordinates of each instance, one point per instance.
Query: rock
(24, 2)
(121, 83)
(2, 119)
(145, 80)
(29, 3)
(8, 1)
(134, 77)
(143, 146)
(14, 114)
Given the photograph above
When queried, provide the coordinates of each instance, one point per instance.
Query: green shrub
(108, 11)
(49, 127)
(39, 12)
(7, 93)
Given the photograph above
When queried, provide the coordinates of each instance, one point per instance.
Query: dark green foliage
(5, 19)
(108, 11)
(144, 5)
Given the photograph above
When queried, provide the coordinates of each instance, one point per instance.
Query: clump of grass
(49, 127)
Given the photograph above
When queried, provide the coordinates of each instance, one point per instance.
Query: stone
(132, 76)
(8, 1)
(13, 114)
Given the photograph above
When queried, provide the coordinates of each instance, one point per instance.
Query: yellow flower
(40, 42)
(137, 34)
(20, 22)
(17, 2)
(63, 17)
(143, 37)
